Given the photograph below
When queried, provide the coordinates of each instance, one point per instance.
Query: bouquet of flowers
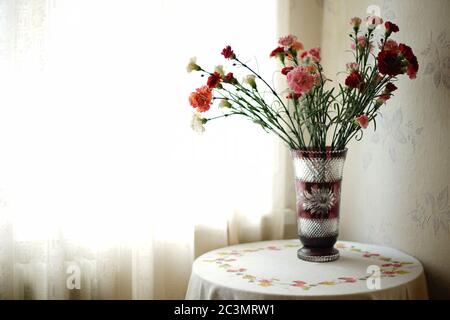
(311, 114)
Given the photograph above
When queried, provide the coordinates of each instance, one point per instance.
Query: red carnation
(276, 51)
(390, 87)
(286, 70)
(391, 27)
(389, 63)
(413, 64)
(406, 51)
(412, 68)
(228, 53)
(304, 54)
(213, 80)
(354, 80)
(228, 78)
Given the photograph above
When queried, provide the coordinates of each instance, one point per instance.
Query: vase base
(318, 254)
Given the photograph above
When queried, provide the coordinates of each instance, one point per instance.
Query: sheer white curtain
(101, 177)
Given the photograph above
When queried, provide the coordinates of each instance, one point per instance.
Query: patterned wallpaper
(396, 181)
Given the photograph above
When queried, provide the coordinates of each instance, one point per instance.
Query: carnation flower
(213, 80)
(390, 27)
(354, 80)
(286, 70)
(250, 80)
(385, 96)
(389, 63)
(406, 51)
(390, 87)
(300, 80)
(229, 78)
(363, 121)
(197, 123)
(373, 22)
(224, 103)
(355, 22)
(201, 99)
(413, 65)
(287, 41)
(192, 66)
(315, 53)
(228, 53)
(277, 51)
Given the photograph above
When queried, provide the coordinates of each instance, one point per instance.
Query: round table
(271, 270)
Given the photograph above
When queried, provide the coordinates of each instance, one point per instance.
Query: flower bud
(250, 80)
(224, 104)
(362, 121)
(192, 66)
(355, 22)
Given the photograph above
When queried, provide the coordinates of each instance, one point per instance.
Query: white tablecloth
(271, 270)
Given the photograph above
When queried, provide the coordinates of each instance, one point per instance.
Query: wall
(396, 181)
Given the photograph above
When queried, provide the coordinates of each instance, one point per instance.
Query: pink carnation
(300, 80)
(287, 41)
(373, 21)
(315, 53)
(363, 121)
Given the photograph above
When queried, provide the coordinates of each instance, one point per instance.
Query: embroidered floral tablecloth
(271, 270)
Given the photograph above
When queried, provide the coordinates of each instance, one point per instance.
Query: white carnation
(192, 65)
(197, 123)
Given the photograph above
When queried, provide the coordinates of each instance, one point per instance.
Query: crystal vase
(318, 178)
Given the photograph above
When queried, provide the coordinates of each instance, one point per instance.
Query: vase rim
(315, 151)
